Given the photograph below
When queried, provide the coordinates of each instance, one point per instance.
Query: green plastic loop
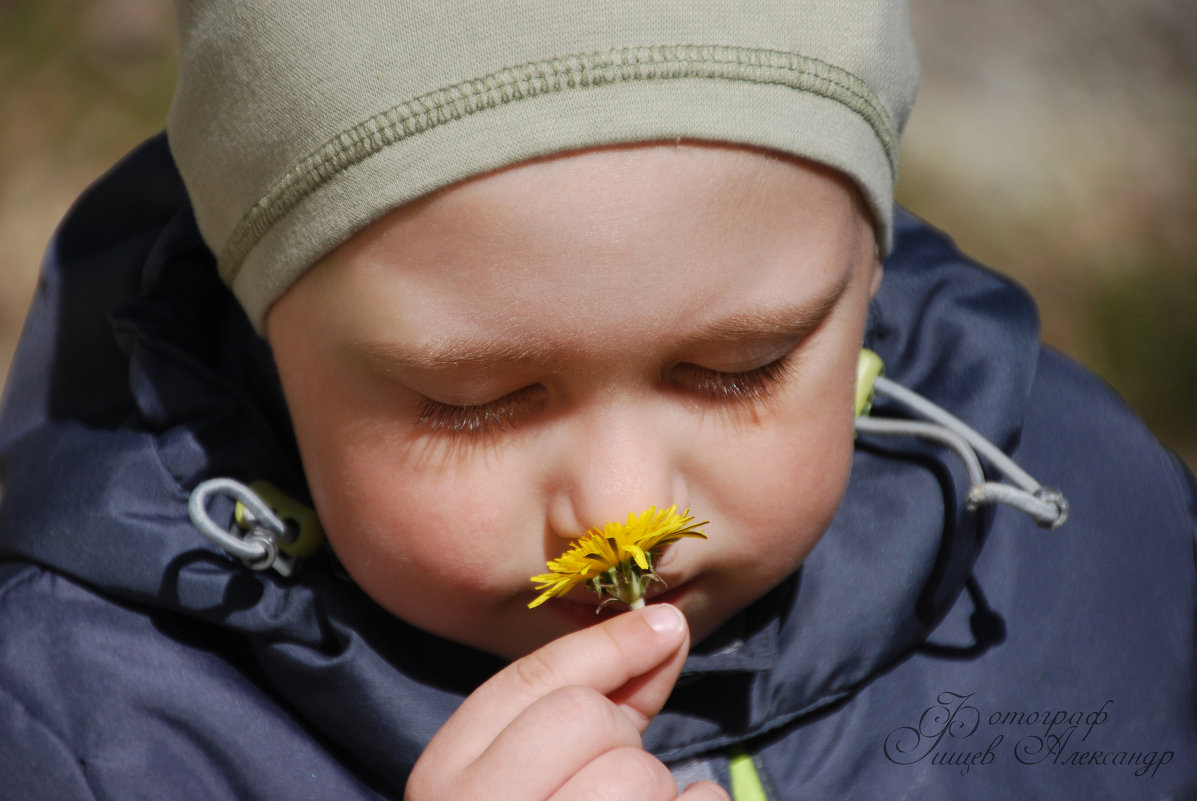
(868, 368)
(309, 533)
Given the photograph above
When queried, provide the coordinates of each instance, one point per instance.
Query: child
(501, 275)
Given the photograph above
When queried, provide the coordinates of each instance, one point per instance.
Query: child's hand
(564, 722)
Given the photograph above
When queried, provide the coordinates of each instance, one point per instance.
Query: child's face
(482, 375)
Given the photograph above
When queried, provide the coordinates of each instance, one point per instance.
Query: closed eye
(480, 419)
(502, 414)
(744, 385)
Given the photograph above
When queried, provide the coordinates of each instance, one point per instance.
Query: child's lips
(580, 604)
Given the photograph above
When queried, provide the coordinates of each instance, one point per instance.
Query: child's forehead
(624, 202)
(703, 245)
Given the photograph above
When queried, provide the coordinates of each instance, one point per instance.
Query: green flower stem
(625, 583)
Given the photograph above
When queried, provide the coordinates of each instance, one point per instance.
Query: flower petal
(601, 552)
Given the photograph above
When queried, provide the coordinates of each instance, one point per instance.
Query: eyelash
(493, 417)
(747, 385)
(501, 415)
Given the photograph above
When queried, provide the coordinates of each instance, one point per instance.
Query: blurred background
(1057, 142)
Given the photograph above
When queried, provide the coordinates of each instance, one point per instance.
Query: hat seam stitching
(432, 109)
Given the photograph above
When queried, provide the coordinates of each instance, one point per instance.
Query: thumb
(642, 696)
(633, 659)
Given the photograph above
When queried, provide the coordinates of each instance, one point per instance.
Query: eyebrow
(790, 321)
(460, 353)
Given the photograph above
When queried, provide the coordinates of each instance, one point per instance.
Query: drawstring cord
(1046, 506)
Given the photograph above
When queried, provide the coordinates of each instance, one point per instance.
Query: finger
(625, 774)
(705, 791)
(642, 697)
(565, 730)
(603, 658)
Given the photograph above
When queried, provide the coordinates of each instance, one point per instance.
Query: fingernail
(664, 618)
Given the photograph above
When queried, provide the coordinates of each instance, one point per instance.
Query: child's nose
(610, 471)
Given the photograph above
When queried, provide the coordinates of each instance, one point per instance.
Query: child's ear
(878, 271)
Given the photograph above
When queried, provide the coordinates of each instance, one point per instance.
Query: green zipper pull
(745, 781)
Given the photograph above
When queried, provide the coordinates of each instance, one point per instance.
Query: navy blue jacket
(923, 650)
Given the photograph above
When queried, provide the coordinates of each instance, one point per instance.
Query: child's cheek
(780, 492)
(418, 567)
(797, 466)
(424, 526)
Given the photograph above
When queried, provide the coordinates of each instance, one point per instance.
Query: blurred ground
(1055, 141)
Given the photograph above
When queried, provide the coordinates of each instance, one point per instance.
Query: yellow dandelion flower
(617, 561)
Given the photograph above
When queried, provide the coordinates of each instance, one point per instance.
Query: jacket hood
(138, 376)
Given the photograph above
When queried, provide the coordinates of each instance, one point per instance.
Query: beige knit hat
(298, 122)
